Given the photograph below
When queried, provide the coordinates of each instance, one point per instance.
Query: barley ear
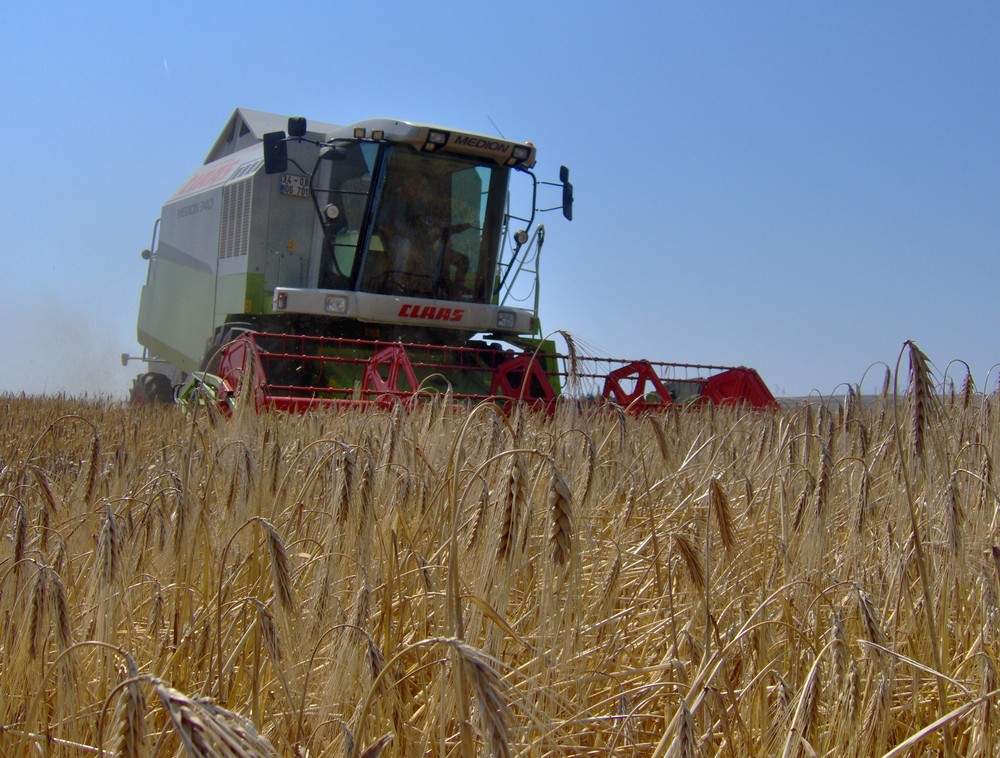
(968, 390)
(994, 552)
(20, 533)
(281, 574)
(921, 395)
(719, 503)
(268, 633)
(206, 729)
(347, 484)
(130, 736)
(95, 455)
(59, 607)
(109, 550)
(691, 560)
(514, 497)
(49, 496)
(494, 713)
(661, 438)
(37, 615)
(375, 749)
(874, 629)
(823, 479)
(479, 513)
(861, 503)
(573, 369)
(683, 743)
(560, 504)
(954, 518)
(878, 715)
(886, 385)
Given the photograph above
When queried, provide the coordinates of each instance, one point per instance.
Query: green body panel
(175, 316)
(241, 293)
(177, 328)
(258, 298)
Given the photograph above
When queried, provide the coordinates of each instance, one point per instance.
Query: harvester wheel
(213, 353)
(149, 389)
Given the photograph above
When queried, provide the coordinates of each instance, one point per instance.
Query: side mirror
(297, 126)
(567, 193)
(275, 153)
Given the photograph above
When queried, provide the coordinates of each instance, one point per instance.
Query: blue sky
(798, 187)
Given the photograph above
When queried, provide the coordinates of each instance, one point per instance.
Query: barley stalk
(669, 624)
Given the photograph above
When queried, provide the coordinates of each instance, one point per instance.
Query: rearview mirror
(567, 193)
(332, 153)
(275, 153)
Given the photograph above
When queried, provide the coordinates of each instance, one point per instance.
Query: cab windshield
(436, 227)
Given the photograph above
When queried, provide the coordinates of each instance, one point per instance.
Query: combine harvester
(371, 264)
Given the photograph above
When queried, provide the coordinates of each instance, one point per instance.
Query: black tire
(150, 389)
(213, 353)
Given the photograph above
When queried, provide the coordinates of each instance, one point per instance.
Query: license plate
(296, 186)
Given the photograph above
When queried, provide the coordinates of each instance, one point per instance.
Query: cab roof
(247, 127)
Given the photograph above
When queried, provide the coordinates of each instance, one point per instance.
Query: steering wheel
(389, 283)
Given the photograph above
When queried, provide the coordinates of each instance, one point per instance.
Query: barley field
(820, 580)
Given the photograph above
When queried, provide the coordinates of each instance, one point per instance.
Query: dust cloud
(65, 348)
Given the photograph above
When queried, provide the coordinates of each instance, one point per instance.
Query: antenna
(495, 126)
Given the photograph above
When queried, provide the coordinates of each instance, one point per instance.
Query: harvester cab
(314, 264)
(411, 219)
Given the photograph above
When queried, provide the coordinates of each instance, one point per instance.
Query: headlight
(336, 305)
(435, 141)
(506, 320)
